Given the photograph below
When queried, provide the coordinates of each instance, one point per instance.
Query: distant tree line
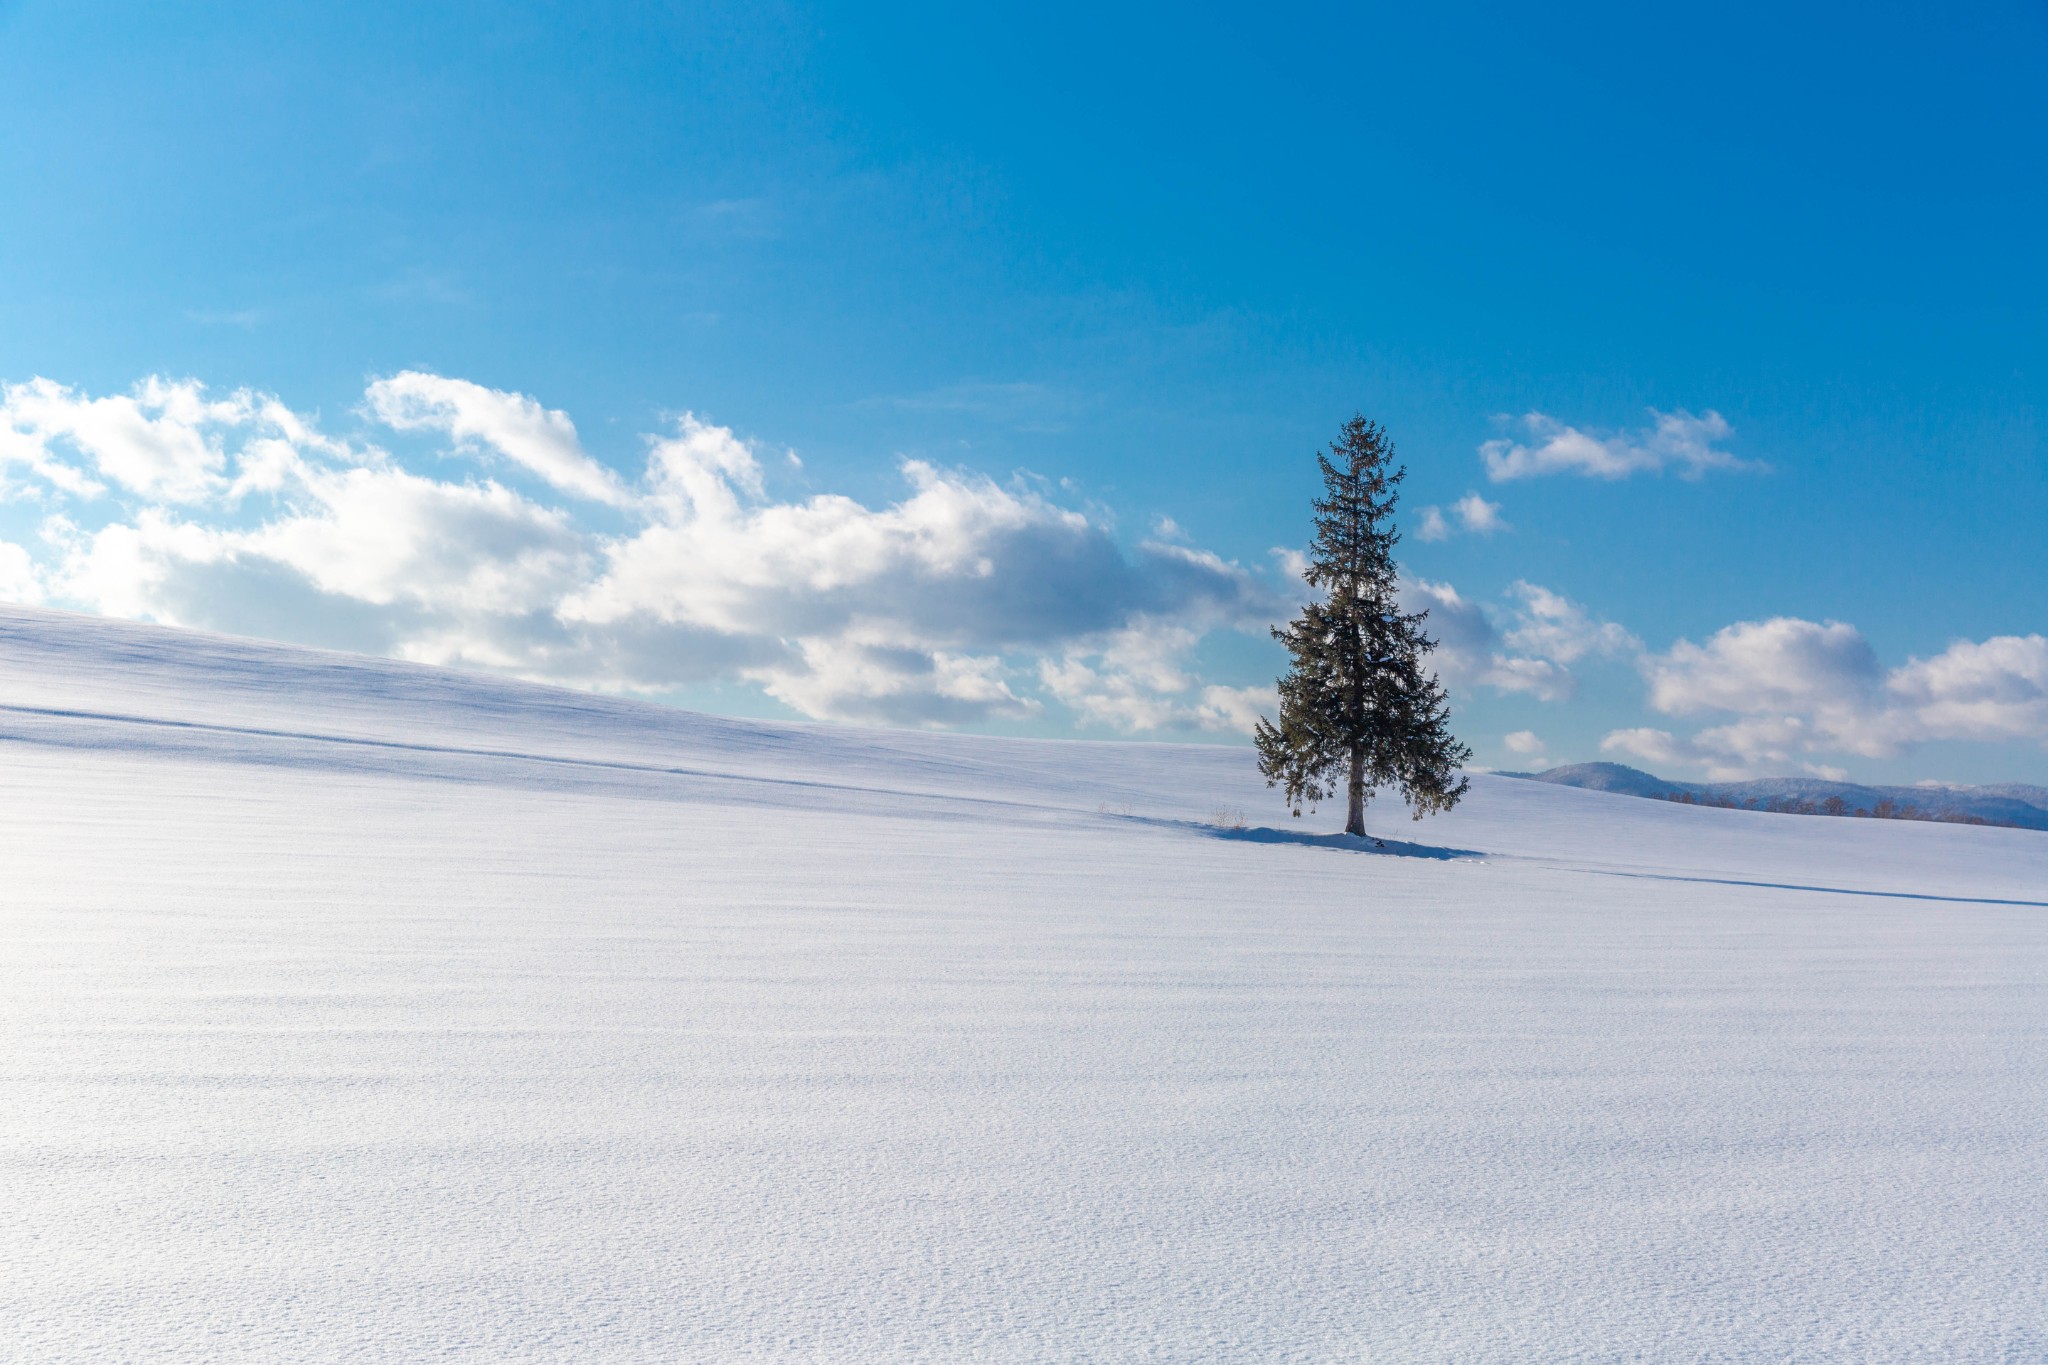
(1885, 809)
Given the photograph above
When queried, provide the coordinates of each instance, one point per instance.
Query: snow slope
(360, 1011)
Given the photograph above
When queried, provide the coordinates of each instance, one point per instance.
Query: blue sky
(1051, 306)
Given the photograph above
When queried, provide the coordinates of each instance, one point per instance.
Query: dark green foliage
(1357, 706)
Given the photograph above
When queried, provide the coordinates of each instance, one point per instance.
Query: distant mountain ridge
(2007, 803)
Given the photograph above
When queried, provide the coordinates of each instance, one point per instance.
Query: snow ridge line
(1794, 886)
(511, 755)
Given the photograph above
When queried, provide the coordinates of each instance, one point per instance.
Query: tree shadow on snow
(1346, 843)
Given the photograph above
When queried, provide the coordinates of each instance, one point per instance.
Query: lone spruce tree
(1357, 706)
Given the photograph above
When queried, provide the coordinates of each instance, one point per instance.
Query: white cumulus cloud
(1477, 515)
(1799, 689)
(1777, 664)
(1989, 690)
(19, 580)
(1138, 679)
(1549, 625)
(162, 441)
(1474, 514)
(963, 600)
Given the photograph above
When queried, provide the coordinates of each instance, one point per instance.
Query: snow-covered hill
(2015, 804)
(354, 1010)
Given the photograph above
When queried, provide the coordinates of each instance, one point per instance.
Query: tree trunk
(1354, 823)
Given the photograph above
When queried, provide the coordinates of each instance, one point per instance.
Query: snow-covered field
(360, 1011)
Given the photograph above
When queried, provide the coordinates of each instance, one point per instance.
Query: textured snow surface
(355, 1011)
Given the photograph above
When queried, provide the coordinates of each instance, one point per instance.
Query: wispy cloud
(748, 218)
(422, 285)
(511, 424)
(244, 318)
(1679, 441)
(1019, 404)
